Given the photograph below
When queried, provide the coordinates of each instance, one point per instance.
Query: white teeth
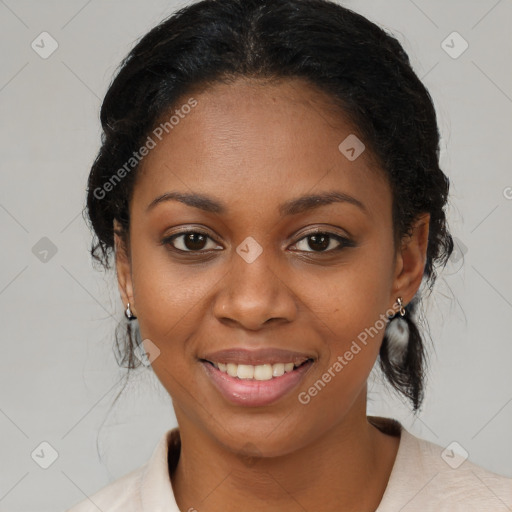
(259, 372)
(262, 372)
(245, 371)
(278, 369)
(288, 367)
(231, 369)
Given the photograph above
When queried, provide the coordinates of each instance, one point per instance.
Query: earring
(128, 313)
(397, 334)
(401, 306)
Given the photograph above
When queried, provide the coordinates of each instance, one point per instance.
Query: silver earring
(128, 313)
(397, 334)
(401, 306)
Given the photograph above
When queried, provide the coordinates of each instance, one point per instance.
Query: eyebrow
(291, 207)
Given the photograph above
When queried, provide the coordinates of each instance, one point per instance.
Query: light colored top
(425, 477)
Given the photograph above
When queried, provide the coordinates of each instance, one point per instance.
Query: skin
(253, 146)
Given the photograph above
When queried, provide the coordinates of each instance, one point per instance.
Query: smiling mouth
(260, 372)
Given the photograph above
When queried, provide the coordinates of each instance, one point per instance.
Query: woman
(269, 185)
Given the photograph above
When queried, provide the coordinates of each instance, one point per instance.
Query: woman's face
(255, 276)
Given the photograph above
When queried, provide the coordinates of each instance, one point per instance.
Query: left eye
(191, 241)
(322, 242)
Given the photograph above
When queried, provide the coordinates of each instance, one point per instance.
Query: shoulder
(460, 478)
(121, 495)
(144, 488)
(427, 477)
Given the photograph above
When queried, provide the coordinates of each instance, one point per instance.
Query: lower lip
(254, 393)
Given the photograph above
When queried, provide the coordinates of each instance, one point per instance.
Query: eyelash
(344, 242)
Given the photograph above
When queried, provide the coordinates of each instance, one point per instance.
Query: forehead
(266, 141)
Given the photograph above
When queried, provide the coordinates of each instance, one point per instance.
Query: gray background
(58, 374)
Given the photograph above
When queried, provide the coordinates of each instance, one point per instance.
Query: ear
(410, 260)
(123, 269)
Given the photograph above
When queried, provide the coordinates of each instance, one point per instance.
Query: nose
(253, 294)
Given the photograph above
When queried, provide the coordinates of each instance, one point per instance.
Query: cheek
(353, 297)
(353, 325)
(354, 305)
(170, 298)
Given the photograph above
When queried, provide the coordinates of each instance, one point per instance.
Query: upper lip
(256, 357)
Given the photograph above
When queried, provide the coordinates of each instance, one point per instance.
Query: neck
(347, 468)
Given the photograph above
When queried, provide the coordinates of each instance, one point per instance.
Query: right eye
(189, 241)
